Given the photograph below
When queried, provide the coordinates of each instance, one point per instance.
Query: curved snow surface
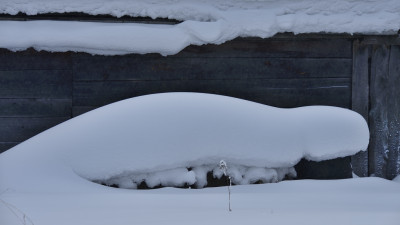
(179, 130)
(205, 22)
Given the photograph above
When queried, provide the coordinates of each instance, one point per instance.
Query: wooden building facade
(39, 90)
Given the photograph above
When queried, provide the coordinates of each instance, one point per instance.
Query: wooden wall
(274, 72)
(35, 94)
(376, 96)
(40, 89)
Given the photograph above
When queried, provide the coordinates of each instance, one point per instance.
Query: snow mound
(205, 21)
(152, 134)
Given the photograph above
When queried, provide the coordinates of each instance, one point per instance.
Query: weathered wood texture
(135, 67)
(288, 47)
(33, 60)
(35, 107)
(385, 111)
(36, 84)
(35, 93)
(393, 164)
(360, 98)
(20, 129)
(278, 72)
(281, 93)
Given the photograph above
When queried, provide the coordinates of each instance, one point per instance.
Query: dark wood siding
(35, 93)
(376, 96)
(385, 111)
(278, 72)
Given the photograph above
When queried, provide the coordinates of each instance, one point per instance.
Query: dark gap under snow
(199, 177)
(84, 17)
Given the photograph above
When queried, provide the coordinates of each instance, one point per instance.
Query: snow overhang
(205, 22)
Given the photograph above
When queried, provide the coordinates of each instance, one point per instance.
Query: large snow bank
(206, 21)
(175, 131)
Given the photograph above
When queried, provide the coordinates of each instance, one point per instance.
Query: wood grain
(360, 99)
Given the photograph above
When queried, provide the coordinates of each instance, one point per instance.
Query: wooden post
(360, 99)
(393, 113)
(381, 98)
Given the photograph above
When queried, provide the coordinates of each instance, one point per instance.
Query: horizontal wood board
(289, 48)
(35, 93)
(35, 107)
(36, 84)
(102, 68)
(20, 129)
(280, 93)
(33, 60)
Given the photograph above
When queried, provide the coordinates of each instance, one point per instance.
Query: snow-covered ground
(360, 201)
(205, 21)
(48, 178)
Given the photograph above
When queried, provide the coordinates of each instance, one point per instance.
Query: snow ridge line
(205, 22)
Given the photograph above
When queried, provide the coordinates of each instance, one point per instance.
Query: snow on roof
(180, 130)
(205, 21)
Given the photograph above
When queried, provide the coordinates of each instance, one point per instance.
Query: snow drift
(205, 21)
(153, 134)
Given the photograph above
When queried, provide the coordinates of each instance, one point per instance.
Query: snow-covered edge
(206, 22)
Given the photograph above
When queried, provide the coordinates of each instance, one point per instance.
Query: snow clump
(197, 177)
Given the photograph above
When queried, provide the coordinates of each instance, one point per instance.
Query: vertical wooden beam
(381, 98)
(393, 114)
(360, 99)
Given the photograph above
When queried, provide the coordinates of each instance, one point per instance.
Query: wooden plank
(135, 67)
(278, 92)
(4, 146)
(269, 47)
(20, 129)
(381, 40)
(32, 107)
(31, 59)
(36, 84)
(258, 47)
(393, 113)
(378, 117)
(385, 111)
(360, 99)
